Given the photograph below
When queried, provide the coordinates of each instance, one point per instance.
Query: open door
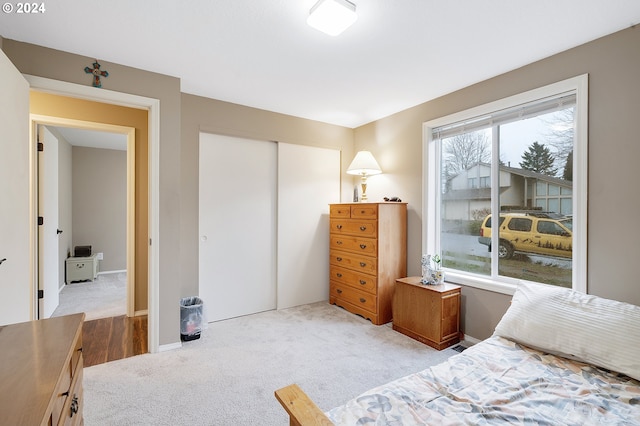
(16, 279)
(48, 256)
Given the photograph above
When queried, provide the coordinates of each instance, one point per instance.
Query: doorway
(146, 297)
(89, 188)
(94, 207)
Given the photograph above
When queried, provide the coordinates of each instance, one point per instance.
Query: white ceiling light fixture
(332, 16)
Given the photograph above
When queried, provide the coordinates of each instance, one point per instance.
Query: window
(523, 158)
(522, 225)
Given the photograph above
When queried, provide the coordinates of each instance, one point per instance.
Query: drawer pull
(362, 264)
(339, 226)
(363, 246)
(74, 405)
(363, 282)
(363, 228)
(339, 275)
(339, 242)
(339, 259)
(363, 300)
(339, 291)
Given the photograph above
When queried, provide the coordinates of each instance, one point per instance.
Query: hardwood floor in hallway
(110, 339)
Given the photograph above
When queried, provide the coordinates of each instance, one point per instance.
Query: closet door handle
(2, 260)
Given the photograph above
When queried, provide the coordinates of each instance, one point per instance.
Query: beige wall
(100, 204)
(613, 65)
(212, 116)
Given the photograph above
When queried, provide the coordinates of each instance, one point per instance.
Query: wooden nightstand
(428, 313)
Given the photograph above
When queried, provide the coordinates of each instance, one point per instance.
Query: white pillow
(598, 331)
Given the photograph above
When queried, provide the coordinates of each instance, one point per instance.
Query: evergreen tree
(568, 168)
(539, 159)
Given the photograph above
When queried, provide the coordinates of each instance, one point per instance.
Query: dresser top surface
(32, 359)
(439, 288)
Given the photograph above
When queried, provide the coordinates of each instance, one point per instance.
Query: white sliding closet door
(308, 181)
(237, 225)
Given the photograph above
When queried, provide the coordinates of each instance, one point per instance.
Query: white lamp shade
(364, 164)
(332, 16)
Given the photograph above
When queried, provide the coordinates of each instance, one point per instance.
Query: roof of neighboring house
(539, 176)
(527, 174)
(485, 193)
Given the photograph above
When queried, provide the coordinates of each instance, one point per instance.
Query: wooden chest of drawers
(368, 252)
(41, 372)
(427, 313)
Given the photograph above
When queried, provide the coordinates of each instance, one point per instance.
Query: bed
(557, 357)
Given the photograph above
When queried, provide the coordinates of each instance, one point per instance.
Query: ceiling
(93, 139)
(261, 53)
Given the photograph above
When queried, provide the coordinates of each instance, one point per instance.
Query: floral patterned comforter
(499, 382)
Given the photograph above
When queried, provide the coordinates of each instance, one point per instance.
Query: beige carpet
(104, 297)
(228, 376)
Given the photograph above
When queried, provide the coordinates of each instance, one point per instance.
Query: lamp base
(363, 184)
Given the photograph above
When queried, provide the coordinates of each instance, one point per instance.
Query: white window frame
(431, 183)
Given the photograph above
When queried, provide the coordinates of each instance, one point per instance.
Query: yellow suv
(539, 233)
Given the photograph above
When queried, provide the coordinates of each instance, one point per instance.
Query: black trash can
(191, 318)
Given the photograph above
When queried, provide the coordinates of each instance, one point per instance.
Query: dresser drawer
(364, 211)
(337, 210)
(72, 410)
(363, 228)
(366, 246)
(352, 261)
(354, 279)
(349, 294)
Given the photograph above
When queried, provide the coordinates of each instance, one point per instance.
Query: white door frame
(132, 101)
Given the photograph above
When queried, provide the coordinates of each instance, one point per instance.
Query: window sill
(482, 283)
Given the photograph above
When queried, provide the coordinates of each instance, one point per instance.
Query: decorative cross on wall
(96, 73)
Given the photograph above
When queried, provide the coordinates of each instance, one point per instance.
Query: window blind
(508, 115)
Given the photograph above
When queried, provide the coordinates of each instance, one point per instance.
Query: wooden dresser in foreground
(41, 372)
(368, 252)
(428, 313)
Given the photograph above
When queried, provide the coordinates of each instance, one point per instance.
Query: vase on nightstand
(431, 275)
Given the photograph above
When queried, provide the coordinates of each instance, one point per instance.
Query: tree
(568, 168)
(561, 137)
(463, 151)
(539, 159)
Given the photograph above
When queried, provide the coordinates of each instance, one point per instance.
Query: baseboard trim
(112, 272)
(169, 347)
(471, 340)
